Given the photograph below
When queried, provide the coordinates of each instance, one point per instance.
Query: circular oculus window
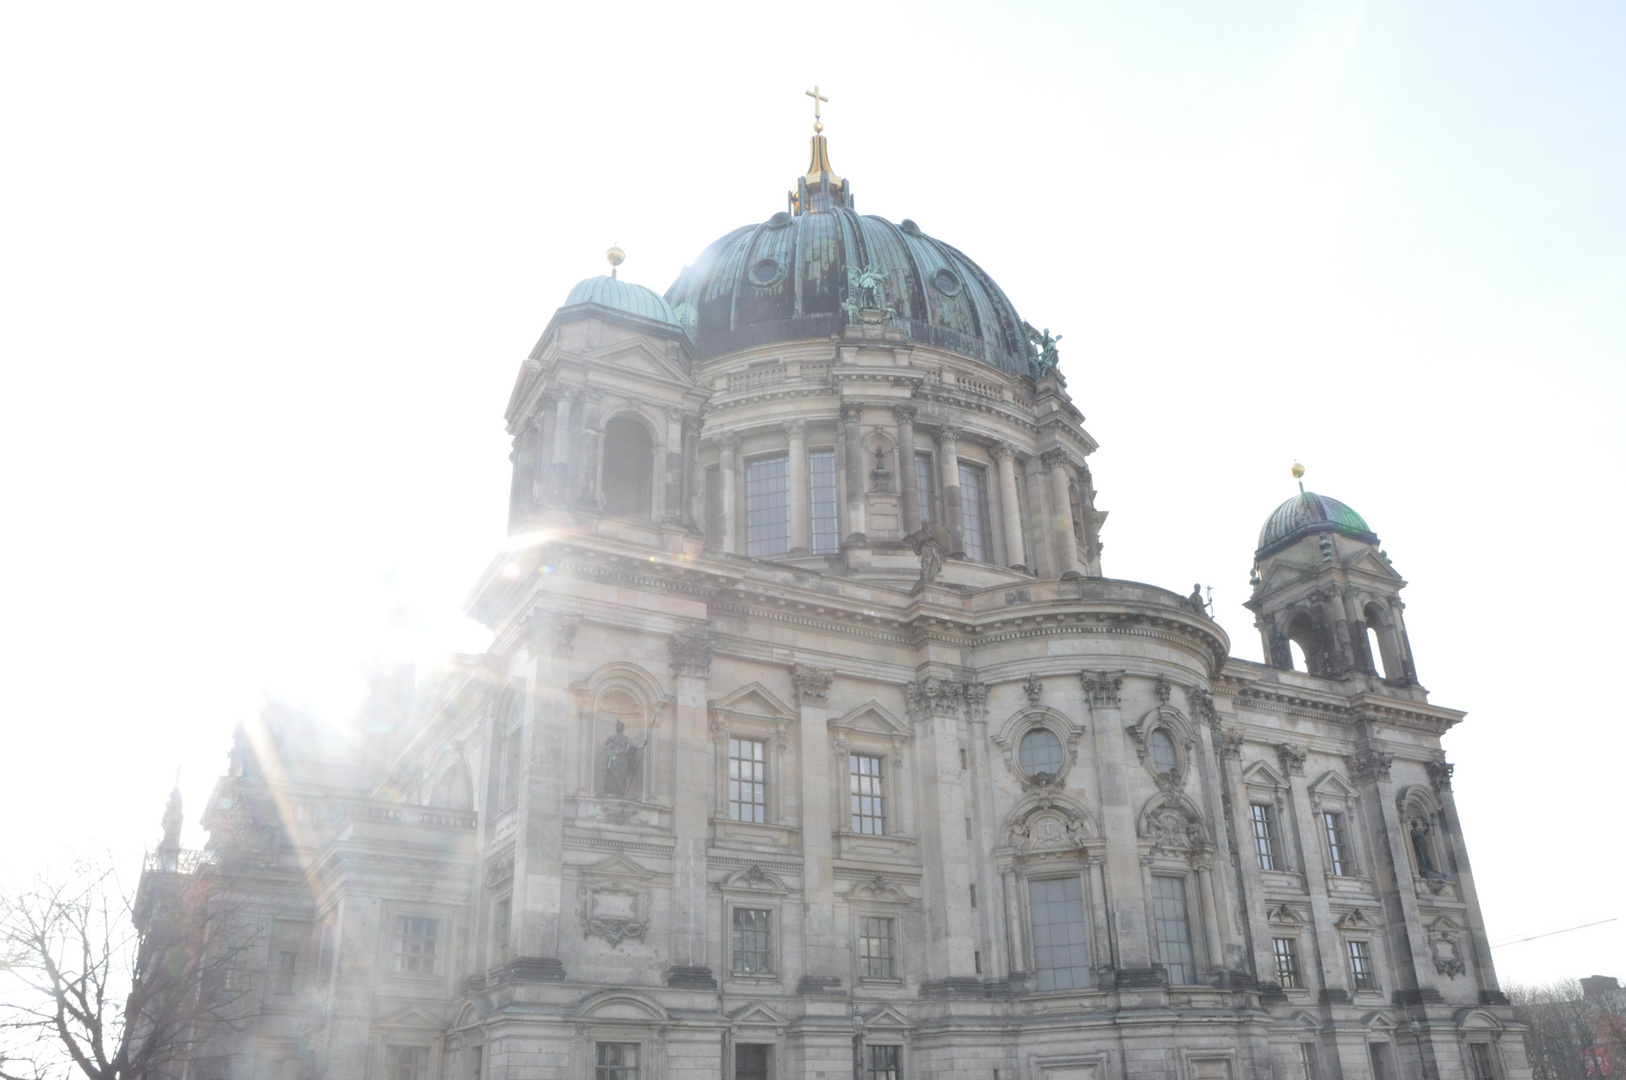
(947, 282)
(766, 272)
(1040, 754)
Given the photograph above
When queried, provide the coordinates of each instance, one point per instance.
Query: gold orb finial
(1298, 471)
(615, 255)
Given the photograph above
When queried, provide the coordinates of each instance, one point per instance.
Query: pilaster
(822, 944)
(690, 652)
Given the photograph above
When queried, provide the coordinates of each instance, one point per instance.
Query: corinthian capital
(904, 414)
(948, 435)
(1053, 459)
(812, 685)
(796, 428)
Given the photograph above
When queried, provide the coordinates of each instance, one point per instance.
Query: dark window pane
(1061, 955)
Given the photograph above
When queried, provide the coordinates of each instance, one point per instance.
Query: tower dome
(625, 298)
(1308, 513)
(807, 272)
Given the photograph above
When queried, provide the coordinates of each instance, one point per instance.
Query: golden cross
(817, 97)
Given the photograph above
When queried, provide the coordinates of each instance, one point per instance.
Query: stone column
(935, 707)
(1038, 500)
(1334, 969)
(1355, 613)
(1061, 514)
(538, 895)
(948, 453)
(1403, 642)
(672, 505)
(542, 475)
(1124, 889)
(1015, 549)
(691, 769)
(1010, 888)
(908, 480)
(587, 479)
(801, 498)
(821, 943)
(726, 470)
(694, 514)
(850, 415)
(1107, 946)
(561, 446)
(1205, 888)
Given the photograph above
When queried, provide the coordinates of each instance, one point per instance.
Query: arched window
(452, 789)
(1380, 633)
(1164, 757)
(1302, 636)
(1040, 754)
(629, 466)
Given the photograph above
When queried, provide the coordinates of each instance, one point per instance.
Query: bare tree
(95, 983)
(1570, 1034)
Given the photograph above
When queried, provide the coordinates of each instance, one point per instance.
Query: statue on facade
(621, 756)
(1425, 850)
(866, 292)
(926, 545)
(1049, 357)
(1196, 600)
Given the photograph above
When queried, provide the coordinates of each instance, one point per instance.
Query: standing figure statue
(621, 761)
(1049, 357)
(926, 545)
(1196, 600)
(1424, 850)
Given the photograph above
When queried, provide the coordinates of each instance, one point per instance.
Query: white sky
(267, 273)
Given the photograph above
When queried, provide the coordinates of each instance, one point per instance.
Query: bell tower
(1322, 584)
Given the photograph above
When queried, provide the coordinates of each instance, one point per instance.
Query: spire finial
(818, 123)
(615, 256)
(1298, 474)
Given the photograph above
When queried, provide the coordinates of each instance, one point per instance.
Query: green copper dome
(625, 297)
(1310, 513)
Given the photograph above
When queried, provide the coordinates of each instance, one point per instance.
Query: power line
(1550, 933)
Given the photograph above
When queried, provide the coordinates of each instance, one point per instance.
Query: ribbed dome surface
(623, 296)
(787, 279)
(1311, 513)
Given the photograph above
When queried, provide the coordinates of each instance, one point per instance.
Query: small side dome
(625, 297)
(1310, 513)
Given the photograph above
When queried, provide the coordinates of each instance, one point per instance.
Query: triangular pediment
(1261, 774)
(756, 1012)
(1283, 914)
(1445, 924)
(1332, 785)
(618, 866)
(636, 358)
(873, 718)
(1355, 920)
(754, 699)
(1370, 562)
(886, 1017)
(1307, 1020)
(413, 1017)
(1378, 1021)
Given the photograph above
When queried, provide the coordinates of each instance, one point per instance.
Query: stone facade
(913, 791)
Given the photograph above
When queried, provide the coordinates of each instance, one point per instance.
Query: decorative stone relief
(1231, 740)
(1439, 774)
(1173, 826)
(691, 652)
(1202, 705)
(1163, 689)
(614, 913)
(1033, 688)
(1444, 937)
(932, 696)
(499, 871)
(552, 633)
(812, 685)
(976, 700)
(1291, 758)
(1052, 459)
(1102, 688)
(1050, 825)
(1366, 766)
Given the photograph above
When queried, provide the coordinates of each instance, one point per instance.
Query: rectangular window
(1337, 844)
(751, 953)
(821, 470)
(406, 1062)
(868, 803)
(747, 780)
(501, 915)
(1484, 1065)
(714, 507)
(1061, 955)
(883, 1063)
(926, 481)
(1308, 1069)
(974, 512)
(287, 971)
(1264, 836)
(615, 1061)
(1360, 966)
(767, 506)
(875, 949)
(1286, 950)
(751, 1061)
(415, 946)
(1382, 1064)
(1173, 929)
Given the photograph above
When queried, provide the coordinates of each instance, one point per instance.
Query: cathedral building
(815, 742)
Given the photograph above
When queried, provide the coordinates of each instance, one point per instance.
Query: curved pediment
(621, 1005)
